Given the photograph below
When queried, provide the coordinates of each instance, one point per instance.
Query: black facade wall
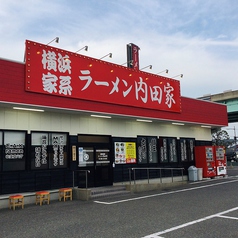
(30, 180)
(121, 171)
(203, 143)
(34, 180)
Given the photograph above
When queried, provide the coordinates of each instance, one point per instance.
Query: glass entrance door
(103, 167)
(94, 156)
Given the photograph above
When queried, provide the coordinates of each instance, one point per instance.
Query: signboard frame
(57, 72)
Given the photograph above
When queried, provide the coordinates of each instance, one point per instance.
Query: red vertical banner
(133, 56)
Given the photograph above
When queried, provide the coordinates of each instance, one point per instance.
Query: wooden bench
(65, 193)
(42, 196)
(16, 201)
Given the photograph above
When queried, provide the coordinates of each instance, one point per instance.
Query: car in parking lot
(232, 153)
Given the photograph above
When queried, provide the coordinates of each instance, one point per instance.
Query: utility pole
(235, 134)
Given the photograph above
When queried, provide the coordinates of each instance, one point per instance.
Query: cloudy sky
(196, 38)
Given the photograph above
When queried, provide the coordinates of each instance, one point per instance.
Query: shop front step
(108, 191)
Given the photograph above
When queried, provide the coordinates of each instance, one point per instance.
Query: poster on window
(1, 145)
(39, 150)
(183, 150)
(172, 150)
(130, 152)
(102, 156)
(57, 150)
(142, 150)
(85, 156)
(125, 152)
(14, 150)
(152, 149)
(163, 148)
(190, 149)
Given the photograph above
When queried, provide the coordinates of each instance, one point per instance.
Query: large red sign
(50, 70)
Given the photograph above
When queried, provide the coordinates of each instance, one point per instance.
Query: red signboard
(133, 56)
(57, 72)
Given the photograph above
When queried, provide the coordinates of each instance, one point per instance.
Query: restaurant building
(62, 113)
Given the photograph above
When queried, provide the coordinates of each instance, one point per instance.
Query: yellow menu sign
(125, 152)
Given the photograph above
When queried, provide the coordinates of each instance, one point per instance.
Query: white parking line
(156, 235)
(161, 194)
(228, 217)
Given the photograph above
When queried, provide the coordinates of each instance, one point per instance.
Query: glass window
(1, 149)
(14, 150)
(163, 142)
(152, 149)
(85, 156)
(39, 150)
(57, 150)
(48, 150)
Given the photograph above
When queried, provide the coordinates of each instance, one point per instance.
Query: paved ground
(206, 209)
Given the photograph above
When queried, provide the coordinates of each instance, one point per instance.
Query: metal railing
(148, 173)
(86, 176)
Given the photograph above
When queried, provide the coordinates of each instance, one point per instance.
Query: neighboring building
(63, 113)
(232, 153)
(230, 99)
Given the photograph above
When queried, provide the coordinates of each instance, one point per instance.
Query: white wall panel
(119, 129)
(2, 118)
(65, 122)
(74, 124)
(10, 119)
(45, 121)
(34, 122)
(91, 126)
(22, 120)
(56, 122)
(77, 124)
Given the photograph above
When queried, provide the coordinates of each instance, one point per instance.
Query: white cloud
(196, 38)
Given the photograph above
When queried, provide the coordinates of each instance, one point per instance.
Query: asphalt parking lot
(207, 208)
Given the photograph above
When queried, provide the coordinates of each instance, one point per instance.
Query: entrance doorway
(94, 161)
